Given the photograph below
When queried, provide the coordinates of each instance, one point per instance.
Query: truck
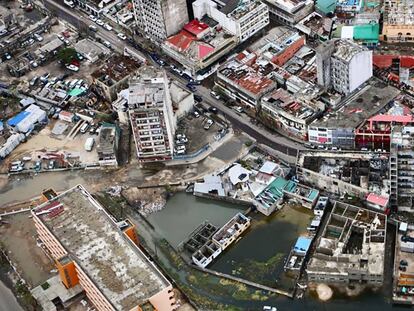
(89, 143)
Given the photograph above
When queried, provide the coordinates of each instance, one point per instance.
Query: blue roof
(302, 244)
(17, 118)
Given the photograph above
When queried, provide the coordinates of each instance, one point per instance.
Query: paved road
(78, 19)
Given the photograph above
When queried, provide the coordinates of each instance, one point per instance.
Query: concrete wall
(360, 69)
(175, 15)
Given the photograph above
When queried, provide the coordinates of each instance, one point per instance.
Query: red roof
(182, 40)
(195, 27)
(377, 199)
(383, 61)
(407, 61)
(204, 50)
(392, 118)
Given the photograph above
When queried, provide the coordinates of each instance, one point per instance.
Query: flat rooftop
(360, 105)
(107, 139)
(118, 267)
(290, 6)
(146, 88)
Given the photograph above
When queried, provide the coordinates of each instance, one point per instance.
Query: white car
(107, 27)
(208, 124)
(107, 44)
(93, 18)
(38, 37)
(99, 22)
(61, 37)
(121, 36)
(72, 67)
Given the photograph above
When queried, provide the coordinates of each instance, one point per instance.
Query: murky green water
(184, 212)
(271, 236)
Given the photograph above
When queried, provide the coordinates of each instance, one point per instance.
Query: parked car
(238, 109)
(196, 114)
(208, 124)
(213, 109)
(214, 95)
(38, 37)
(121, 36)
(198, 98)
(72, 68)
(107, 44)
(99, 22)
(107, 27)
(93, 28)
(33, 81)
(92, 18)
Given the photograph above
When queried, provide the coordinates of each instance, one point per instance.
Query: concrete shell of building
(351, 247)
(151, 114)
(101, 255)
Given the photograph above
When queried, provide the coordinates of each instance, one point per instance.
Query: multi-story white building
(289, 12)
(241, 18)
(151, 114)
(343, 65)
(159, 19)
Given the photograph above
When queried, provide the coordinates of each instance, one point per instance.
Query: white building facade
(243, 19)
(343, 65)
(159, 19)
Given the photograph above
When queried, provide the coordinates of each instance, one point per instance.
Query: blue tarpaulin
(1, 126)
(302, 245)
(17, 118)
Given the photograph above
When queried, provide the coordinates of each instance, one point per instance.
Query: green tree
(66, 55)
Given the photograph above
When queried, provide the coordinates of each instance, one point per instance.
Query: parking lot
(194, 130)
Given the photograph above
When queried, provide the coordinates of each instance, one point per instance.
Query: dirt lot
(39, 143)
(197, 136)
(18, 237)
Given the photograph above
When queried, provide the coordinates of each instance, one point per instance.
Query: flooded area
(184, 212)
(18, 237)
(26, 187)
(7, 300)
(258, 256)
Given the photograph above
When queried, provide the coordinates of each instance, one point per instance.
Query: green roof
(277, 186)
(76, 92)
(326, 6)
(367, 32)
